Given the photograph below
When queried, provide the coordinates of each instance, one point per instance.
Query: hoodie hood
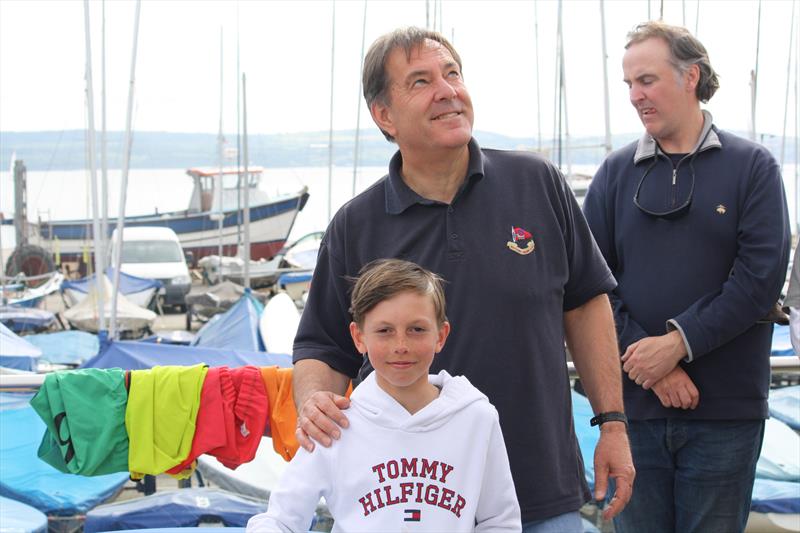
(376, 405)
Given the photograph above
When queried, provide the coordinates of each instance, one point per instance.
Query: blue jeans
(691, 475)
(564, 523)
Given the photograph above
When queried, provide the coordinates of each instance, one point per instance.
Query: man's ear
(358, 338)
(692, 78)
(381, 114)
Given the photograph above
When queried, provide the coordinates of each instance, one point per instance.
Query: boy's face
(401, 336)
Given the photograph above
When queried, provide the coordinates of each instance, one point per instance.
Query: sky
(285, 50)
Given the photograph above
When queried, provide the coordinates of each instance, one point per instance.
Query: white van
(156, 253)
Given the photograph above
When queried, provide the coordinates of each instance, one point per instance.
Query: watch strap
(611, 416)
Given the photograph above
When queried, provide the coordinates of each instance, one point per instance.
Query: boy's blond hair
(385, 278)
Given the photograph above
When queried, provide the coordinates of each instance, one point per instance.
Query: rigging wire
(358, 101)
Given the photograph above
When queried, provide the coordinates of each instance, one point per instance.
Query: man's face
(663, 99)
(429, 106)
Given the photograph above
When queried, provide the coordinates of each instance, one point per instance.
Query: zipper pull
(674, 175)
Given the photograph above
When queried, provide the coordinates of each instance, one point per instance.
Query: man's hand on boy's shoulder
(320, 418)
(319, 411)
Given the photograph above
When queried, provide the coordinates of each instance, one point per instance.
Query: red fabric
(233, 413)
(246, 408)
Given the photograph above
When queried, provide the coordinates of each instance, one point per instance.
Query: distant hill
(66, 150)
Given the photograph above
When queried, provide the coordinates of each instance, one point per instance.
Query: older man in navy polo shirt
(523, 275)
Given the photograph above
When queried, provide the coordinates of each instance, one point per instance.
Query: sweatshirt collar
(647, 146)
(400, 196)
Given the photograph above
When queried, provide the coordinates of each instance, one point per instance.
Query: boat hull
(199, 233)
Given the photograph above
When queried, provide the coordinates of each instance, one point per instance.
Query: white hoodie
(442, 469)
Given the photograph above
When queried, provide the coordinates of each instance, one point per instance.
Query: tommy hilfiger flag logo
(412, 515)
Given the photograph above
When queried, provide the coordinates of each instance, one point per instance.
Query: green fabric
(84, 411)
(161, 416)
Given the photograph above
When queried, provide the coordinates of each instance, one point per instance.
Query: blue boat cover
(177, 508)
(21, 319)
(294, 277)
(772, 496)
(26, 478)
(175, 336)
(781, 341)
(71, 347)
(20, 518)
(199, 529)
(587, 435)
(134, 355)
(127, 284)
(784, 404)
(769, 496)
(236, 328)
(16, 352)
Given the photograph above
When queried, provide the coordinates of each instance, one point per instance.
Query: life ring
(30, 260)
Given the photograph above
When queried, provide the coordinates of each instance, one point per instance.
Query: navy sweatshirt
(711, 272)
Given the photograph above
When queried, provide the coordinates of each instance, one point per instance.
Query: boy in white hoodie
(423, 452)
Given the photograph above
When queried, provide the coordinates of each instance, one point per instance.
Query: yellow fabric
(161, 415)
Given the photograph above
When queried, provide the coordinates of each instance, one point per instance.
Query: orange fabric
(282, 412)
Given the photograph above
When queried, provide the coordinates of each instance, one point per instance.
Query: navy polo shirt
(516, 253)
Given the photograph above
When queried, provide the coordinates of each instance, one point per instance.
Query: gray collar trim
(647, 146)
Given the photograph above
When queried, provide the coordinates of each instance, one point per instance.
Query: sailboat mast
(246, 255)
(330, 125)
(358, 100)
(98, 241)
(605, 77)
(754, 78)
(788, 84)
(220, 143)
(103, 139)
(126, 163)
(538, 93)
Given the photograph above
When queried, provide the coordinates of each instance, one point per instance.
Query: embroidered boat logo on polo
(721, 209)
(521, 241)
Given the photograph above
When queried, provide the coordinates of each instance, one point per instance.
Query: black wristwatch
(611, 416)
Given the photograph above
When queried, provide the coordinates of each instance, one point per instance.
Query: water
(65, 194)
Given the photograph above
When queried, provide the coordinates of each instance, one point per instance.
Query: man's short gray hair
(685, 50)
(375, 80)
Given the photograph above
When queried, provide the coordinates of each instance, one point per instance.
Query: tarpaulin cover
(781, 342)
(587, 435)
(16, 352)
(20, 518)
(784, 404)
(127, 284)
(771, 496)
(21, 319)
(65, 347)
(133, 355)
(129, 316)
(236, 328)
(780, 452)
(294, 277)
(26, 478)
(178, 508)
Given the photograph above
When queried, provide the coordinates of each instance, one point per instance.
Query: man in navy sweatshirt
(693, 223)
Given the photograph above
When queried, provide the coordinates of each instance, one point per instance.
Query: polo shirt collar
(647, 146)
(400, 196)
